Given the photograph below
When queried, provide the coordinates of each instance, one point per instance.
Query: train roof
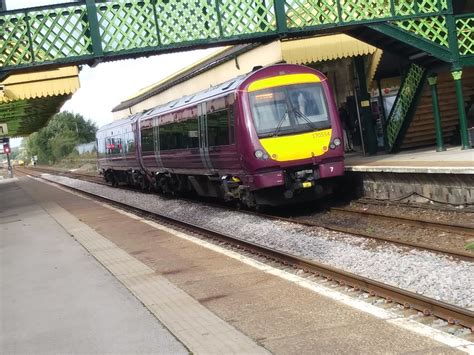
(185, 101)
(192, 99)
(200, 96)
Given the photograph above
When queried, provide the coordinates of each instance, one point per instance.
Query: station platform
(82, 277)
(421, 176)
(453, 160)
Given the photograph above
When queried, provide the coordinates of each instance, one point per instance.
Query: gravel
(433, 275)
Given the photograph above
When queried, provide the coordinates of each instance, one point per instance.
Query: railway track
(469, 256)
(451, 313)
(460, 229)
(448, 227)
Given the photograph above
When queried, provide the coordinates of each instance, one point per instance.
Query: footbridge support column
(432, 80)
(457, 75)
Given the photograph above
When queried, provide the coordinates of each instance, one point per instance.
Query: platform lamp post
(457, 74)
(432, 80)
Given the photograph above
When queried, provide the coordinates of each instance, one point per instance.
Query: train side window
(130, 142)
(218, 128)
(179, 135)
(231, 125)
(191, 139)
(230, 101)
(147, 140)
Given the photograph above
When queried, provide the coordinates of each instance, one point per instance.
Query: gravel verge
(433, 275)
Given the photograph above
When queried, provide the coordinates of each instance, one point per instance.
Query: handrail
(403, 105)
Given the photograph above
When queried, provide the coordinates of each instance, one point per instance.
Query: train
(267, 138)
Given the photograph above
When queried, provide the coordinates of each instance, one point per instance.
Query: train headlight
(337, 142)
(260, 154)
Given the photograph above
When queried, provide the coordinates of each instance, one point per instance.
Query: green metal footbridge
(433, 32)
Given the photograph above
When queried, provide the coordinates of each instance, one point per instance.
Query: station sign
(4, 140)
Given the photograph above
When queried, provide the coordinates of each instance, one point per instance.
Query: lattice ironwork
(432, 29)
(126, 25)
(465, 28)
(412, 7)
(60, 34)
(246, 16)
(302, 13)
(14, 43)
(183, 21)
(94, 28)
(364, 10)
(405, 99)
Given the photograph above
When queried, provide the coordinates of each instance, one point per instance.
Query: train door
(156, 143)
(221, 134)
(203, 138)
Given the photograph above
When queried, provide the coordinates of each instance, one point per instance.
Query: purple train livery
(270, 137)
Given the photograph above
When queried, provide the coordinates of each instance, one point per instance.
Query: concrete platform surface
(426, 160)
(56, 298)
(279, 312)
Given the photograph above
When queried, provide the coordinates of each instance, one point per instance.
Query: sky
(107, 84)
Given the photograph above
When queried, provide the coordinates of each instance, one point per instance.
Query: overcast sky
(106, 85)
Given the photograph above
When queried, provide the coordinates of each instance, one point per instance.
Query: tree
(58, 139)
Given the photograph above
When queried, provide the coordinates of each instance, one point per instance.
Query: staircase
(421, 131)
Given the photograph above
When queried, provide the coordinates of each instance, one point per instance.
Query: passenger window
(131, 142)
(179, 135)
(147, 140)
(218, 128)
(231, 125)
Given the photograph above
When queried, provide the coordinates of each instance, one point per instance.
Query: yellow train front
(290, 137)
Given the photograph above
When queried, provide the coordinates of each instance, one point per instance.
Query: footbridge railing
(88, 30)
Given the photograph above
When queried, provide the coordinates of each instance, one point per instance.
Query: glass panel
(113, 145)
(289, 109)
(218, 128)
(147, 140)
(179, 135)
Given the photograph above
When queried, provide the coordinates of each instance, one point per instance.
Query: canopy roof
(322, 48)
(293, 51)
(28, 101)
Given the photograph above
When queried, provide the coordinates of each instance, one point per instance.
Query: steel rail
(457, 254)
(415, 205)
(449, 227)
(453, 314)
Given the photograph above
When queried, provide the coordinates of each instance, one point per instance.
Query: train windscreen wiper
(280, 123)
(300, 114)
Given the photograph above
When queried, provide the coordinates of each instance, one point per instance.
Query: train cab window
(218, 128)
(289, 109)
(147, 140)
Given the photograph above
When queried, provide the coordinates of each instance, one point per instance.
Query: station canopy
(28, 101)
(323, 48)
